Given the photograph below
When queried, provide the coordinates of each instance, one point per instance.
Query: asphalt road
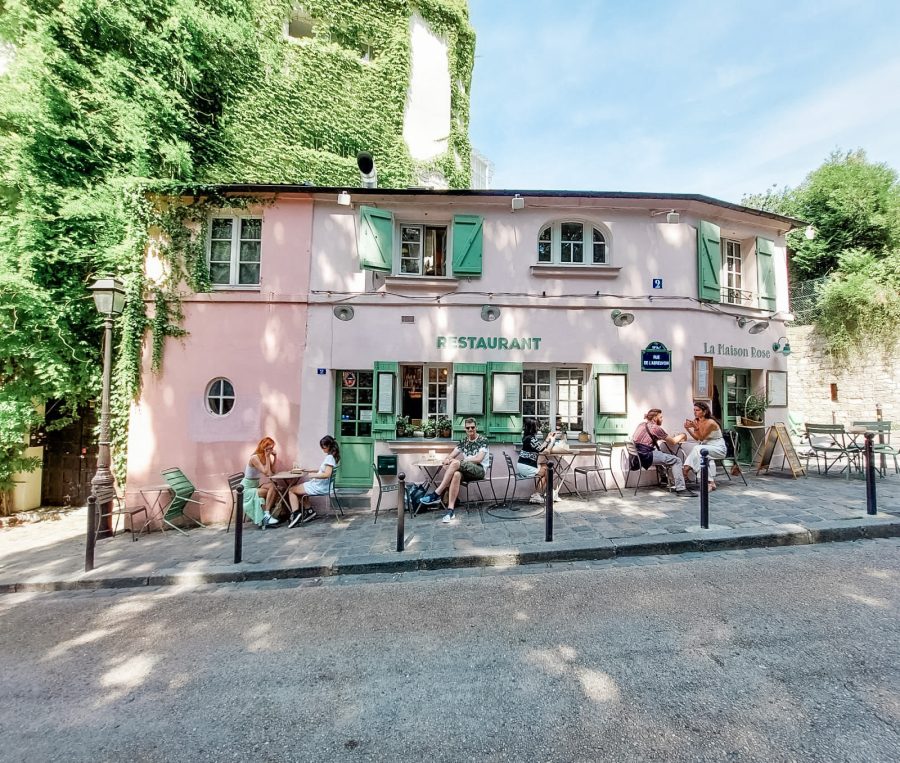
(762, 655)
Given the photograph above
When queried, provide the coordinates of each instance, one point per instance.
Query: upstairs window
(299, 24)
(423, 250)
(733, 274)
(234, 250)
(570, 242)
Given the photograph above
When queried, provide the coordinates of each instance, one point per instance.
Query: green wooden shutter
(765, 273)
(458, 418)
(502, 427)
(467, 245)
(608, 428)
(376, 239)
(709, 262)
(384, 425)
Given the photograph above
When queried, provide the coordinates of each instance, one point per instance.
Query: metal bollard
(91, 533)
(548, 509)
(704, 488)
(239, 524)
(401, 510)
(869, 451)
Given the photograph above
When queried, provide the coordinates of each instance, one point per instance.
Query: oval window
(219, 397)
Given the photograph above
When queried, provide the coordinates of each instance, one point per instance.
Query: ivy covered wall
(105, 100)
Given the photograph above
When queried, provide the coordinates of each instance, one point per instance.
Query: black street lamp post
(109, 297)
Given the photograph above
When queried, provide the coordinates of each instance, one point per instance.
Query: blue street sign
(656, 357)
(657, 283)
(320, 371)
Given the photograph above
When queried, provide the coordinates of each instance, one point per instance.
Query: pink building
(586, 308)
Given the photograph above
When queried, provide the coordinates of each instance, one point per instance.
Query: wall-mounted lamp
(343, 312)
(489, 313)
(784, 348)
(344, 199)
(621, 319)
(517, 202)
(672, 217)
(755, 326)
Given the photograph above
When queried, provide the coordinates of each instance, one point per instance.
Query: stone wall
(867, 379)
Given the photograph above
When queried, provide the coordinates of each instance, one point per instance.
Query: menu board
(703, 375)
(506, 393)
(385, 392)
(469, 394)
(612, 394)
(776, 382)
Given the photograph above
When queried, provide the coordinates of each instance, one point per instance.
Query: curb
(716, 540)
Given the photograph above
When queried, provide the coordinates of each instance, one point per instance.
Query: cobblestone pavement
(773, 510)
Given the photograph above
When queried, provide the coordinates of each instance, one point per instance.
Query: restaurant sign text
(488, 343)
(733, 351)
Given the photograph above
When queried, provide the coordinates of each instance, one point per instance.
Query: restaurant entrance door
(353, 426)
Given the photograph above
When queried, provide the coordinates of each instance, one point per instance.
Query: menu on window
(506, 393)
(469, 394)
(385, 392)
(612, 393)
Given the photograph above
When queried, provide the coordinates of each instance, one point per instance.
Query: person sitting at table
(708, 434)
(647, 436)
(258, 499)
(467, 462)
(317, 483)
(531, 463)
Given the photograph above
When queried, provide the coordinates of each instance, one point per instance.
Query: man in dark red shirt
(647, 434)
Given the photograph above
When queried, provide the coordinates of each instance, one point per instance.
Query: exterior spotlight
(517, 202)
(344, 199)
(343, 312)
(755, 326)
(489, 313)
(621, 319)
(673, 218)
(784, 348)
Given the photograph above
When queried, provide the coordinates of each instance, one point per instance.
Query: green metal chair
(183, 492)
(830, 443)
(881, 445)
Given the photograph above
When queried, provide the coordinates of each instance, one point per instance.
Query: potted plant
(430, 428)
(754, 409)
(402, 426)
(444, 426)
(584, 437)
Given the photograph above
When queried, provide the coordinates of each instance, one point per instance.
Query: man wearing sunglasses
(467, 463)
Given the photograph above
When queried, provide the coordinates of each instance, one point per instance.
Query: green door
(353, 424)
(734, 386)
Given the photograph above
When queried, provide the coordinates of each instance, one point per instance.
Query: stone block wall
(869, 378)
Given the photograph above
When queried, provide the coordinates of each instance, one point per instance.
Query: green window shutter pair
(376, 242)
(503, 427)
(607, 427)
(384, 425)
(765, 273)
(709, 262)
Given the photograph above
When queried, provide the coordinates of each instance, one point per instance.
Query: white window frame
(221, 397)
(235, 261)
(733, 279)
(554, 401)
(422, 226)
(557, 245)
(426, 383)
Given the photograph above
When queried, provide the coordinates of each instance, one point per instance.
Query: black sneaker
(309, 516)
(685, 493)
(295, 518)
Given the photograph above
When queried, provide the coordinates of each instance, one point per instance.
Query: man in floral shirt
(467, 463)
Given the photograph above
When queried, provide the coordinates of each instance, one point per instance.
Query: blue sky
(717, 98)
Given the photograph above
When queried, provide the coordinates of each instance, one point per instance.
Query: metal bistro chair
(513, 478)
(387, 488)
(829, 442)
(630, 453)
(883, 429)
(183, 492)
(488, 477)
(728, 463)
(110, 496)
(331, 493)
(603, 450)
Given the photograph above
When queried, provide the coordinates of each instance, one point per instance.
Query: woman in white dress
(708, 434)
(317, 483)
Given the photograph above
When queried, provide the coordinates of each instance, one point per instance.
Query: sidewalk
(774, 510)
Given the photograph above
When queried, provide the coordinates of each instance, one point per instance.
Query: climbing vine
(107, 109)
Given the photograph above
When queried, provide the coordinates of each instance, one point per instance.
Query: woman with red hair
(258, 499)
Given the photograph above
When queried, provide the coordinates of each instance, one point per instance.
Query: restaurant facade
(337, 311)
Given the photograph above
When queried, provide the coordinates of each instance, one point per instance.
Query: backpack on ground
(414, 493)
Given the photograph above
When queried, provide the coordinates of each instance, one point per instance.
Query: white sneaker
(269, 520)
(555, 496)
(448, 518)
(536, 498)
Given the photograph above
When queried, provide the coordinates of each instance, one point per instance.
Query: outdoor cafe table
(283, 482)
(562, 461)
(152, 496)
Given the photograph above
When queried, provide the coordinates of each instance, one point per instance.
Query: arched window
(219, 397)
(572, 242)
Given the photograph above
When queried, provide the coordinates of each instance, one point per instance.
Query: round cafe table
(283, 482)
